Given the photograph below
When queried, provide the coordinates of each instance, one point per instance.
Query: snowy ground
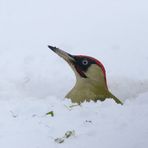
(34, 81)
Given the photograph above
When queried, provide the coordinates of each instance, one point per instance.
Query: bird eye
(85, 62)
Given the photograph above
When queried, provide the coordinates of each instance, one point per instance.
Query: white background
(33, 80)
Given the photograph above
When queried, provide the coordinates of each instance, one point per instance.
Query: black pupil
(85, 62)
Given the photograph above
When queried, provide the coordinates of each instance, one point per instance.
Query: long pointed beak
(66, 56)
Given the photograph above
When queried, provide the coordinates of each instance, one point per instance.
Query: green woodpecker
(90, 75)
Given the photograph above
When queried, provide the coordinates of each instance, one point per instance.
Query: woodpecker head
(91, 78)
(84, 67)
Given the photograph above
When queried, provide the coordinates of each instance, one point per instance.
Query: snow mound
(24, 123)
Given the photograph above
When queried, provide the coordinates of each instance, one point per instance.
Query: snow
(34, 81)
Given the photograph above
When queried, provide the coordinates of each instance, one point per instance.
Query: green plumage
(91, 88)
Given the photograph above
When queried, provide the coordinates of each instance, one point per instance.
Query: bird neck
(86, 89)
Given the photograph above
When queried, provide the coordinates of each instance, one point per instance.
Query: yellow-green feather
(91, 88)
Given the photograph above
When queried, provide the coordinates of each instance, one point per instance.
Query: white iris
(85, 62)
